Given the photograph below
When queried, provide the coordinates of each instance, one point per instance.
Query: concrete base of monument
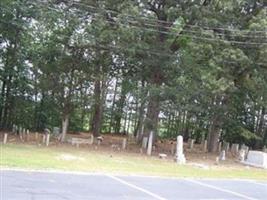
(256, 159)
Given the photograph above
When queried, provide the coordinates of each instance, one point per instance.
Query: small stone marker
(222, 155)
(124, 143)
(5, 138)
(180, 158)
(47, 140)
(192, 141)
(144, 142)
(99, 140)
(235, 149)
(150, 142)
(205, 146)
(162, 156)
(264, 149)
(242, 155)
(227, 145)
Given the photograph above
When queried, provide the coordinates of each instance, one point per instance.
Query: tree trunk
(97, 109)
(214, 134)
(65, 125)
(112, 108)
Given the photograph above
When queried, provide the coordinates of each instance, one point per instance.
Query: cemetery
(176, 151)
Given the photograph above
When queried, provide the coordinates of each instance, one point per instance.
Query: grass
(85, 160)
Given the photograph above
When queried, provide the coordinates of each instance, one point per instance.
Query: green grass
(41, 158)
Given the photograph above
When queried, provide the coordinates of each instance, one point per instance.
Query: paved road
(22, 185)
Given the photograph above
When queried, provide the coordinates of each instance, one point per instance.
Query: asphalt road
(23, 185)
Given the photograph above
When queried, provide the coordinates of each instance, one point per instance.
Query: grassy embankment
(71, 159)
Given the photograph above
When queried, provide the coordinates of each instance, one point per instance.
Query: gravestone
(5, 138)
(222, 155)
(205, 146)
(180, 157)
(242, 155)
(56, 131)
(47, 140)
(144, 142)
(235, 148)
(150, 143)
(257, 159)
(124, 143)
(192, 141)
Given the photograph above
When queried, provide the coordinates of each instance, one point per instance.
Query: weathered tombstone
(5, 138)
(56, 131)
(180, 158)
(235, 148)
(220, 147)
(222, 155)
(257, 159)
(124, 143)
(264, 149)
(150, 143)
(205, 146)
(192, 141)
(47, 140)
(144, 142)
(162, 156)
(242, 155)
(99, 140)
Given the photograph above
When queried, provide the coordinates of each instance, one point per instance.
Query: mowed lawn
(86, 160)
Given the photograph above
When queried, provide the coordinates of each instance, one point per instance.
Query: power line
(165, 22)
(186, 31)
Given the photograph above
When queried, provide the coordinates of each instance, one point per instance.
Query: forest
(196, 68)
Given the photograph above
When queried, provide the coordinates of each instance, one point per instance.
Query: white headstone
(124, 143)
(180, 158)
(242, 155)
(5, 138)
(144, 142)
(222, 155)
(192, 141)
(257, 159)
(235, 149)
(150, 143)
(47, 139)
(205, 146)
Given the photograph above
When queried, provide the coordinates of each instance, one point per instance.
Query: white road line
(221, 189)
(257, 183)
(136, 187)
